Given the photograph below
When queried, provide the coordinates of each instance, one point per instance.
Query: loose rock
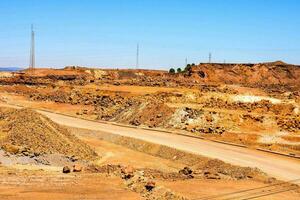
(66, 169)
(77, 168)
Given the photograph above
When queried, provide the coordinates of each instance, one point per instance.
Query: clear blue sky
(104, 33)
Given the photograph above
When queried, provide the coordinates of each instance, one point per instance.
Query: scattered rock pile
(137, 181)
(75, 168)
(144, 181)
(217, 169)
(157, 115)
(289, 124)
(263, 106)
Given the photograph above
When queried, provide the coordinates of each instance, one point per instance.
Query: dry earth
(257, 105)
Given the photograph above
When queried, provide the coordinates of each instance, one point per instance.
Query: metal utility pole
(186, 62)
(209, 58)
(137, 55)
(32, 50)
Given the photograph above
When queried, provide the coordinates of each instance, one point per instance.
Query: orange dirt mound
(26, 128)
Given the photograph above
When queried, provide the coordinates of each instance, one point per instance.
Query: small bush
(172, 71)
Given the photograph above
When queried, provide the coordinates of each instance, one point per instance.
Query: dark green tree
(172, 71)
(187, 68)
(179, 70)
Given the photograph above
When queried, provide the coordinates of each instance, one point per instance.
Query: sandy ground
(192, 189)
(45, 184)
(189, 188)
(62, 107)
(42, 185)
(115, 154)
(200, 189)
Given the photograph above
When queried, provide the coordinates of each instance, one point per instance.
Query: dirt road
(276, 166)
(283, 168)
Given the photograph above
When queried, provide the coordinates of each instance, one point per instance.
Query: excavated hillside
(28, 130)
(251, 104)
(273, 76)
(247, 74)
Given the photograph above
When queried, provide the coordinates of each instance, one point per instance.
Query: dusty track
(277, 166)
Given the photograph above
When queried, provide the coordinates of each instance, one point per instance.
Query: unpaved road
(283, 168)
(277, 166)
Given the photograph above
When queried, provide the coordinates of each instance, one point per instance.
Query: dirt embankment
(145, 180)
(277, 76)
(28, 132)
(202, 167)
(274, 75)
(44, 76)
(248, 74)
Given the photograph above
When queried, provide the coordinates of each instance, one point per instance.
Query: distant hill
(270, 73)
(10, 69)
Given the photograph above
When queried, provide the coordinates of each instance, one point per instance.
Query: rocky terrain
(251, 104)
(35, 149)
(257, 105)
(202, 113)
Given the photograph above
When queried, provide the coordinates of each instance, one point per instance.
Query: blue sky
(104, 33)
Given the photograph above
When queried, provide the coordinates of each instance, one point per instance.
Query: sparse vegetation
(172, 71)
(188, 67)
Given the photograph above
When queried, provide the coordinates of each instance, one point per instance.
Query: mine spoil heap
(27, 129)
(247, 74)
